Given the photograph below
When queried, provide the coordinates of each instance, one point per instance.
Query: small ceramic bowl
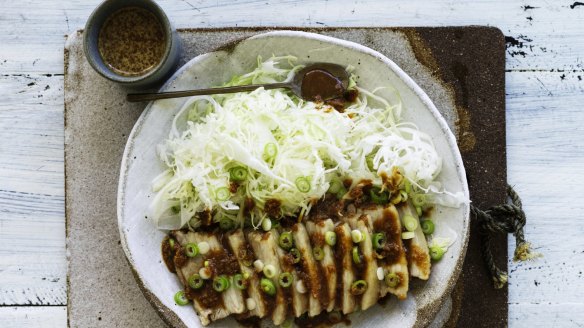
(153, 76)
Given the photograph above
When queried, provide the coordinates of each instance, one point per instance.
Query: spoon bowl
(314, 82)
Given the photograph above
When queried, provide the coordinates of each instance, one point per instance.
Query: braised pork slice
(345, 301)
(368, 267)
(311, 275)
(245, 257)
(207, 302)
(317, 232)
(264, 245)
(417, 247)
(299, 298)
(223, 262)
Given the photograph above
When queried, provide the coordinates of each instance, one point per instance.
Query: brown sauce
(132, 41)
(180, 258)
(221, 263)
(206, 296)
(327, 208)
(168, 254)
(318, 85)
(272, 208)
(390, 252)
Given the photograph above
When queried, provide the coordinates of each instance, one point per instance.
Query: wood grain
(544, 134)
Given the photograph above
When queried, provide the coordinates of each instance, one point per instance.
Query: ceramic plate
(141, 239)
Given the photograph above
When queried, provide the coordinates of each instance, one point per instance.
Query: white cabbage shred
(312, 142)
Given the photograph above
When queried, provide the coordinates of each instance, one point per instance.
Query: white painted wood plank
(34, 316)
(545, 139)
(548, 35)
(32, 225)
(563, 315)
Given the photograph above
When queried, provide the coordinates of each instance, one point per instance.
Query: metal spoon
(318, 81)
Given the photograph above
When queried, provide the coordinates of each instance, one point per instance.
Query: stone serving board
(460, 68)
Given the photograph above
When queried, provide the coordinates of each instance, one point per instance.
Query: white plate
(141, 239)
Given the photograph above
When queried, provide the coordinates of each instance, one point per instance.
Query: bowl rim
(425, 314)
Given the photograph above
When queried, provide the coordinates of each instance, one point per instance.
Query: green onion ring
(171, 243)
(238, 173)
(378, 240)
(378, 197)
(220, 283)
(286, 241)
(392, 280)
(335, 186)
(222, 194)
(295, 255)
(268, 286)
(428, 227)
(303, 184)
(419, 200)
(270, 151)
(195, 281)
(330, 237)
(436, 253)
(180, 298)
(318, 253)
(410, 223)
(358, 287)
(192, 250)
(239, 282)
(285, 279)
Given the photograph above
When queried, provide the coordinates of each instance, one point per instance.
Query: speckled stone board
(461, 69)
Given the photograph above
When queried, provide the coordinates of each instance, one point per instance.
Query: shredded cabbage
(306, 140)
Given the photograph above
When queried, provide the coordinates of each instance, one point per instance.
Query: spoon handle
(136, 97)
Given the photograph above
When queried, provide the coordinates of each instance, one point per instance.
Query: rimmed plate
(141, 239)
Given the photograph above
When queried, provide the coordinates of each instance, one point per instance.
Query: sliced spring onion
(369, 161)
(408, 235)
(378, 197)
(204, 247)
(258, 265)
(330, 237)
(238, 173)
(269, 271)
(303, 184)
(396, 199)
(239, 281)
(419, 211)
(407, 186)
(195, 281)
(220, 283)
(288, 323)
(318, 253)
(266, 224)
(171, 243)
(301, 287)
(192, 250)
(358, 287)
(295, 255)
(436, 253)
(335, 186)
(356, 236)
(392, 280)
(410, 223)
(285, 279)
(419, 200)
(428, 227)
(356, 255)
(222, 194)
(286, 241)
(270, 151)
(205, 273)
(380, 273)
(268, 286)
(180, 298)
(226, 223)
(379, 240)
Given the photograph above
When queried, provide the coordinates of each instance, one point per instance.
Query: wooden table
(545, 135)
